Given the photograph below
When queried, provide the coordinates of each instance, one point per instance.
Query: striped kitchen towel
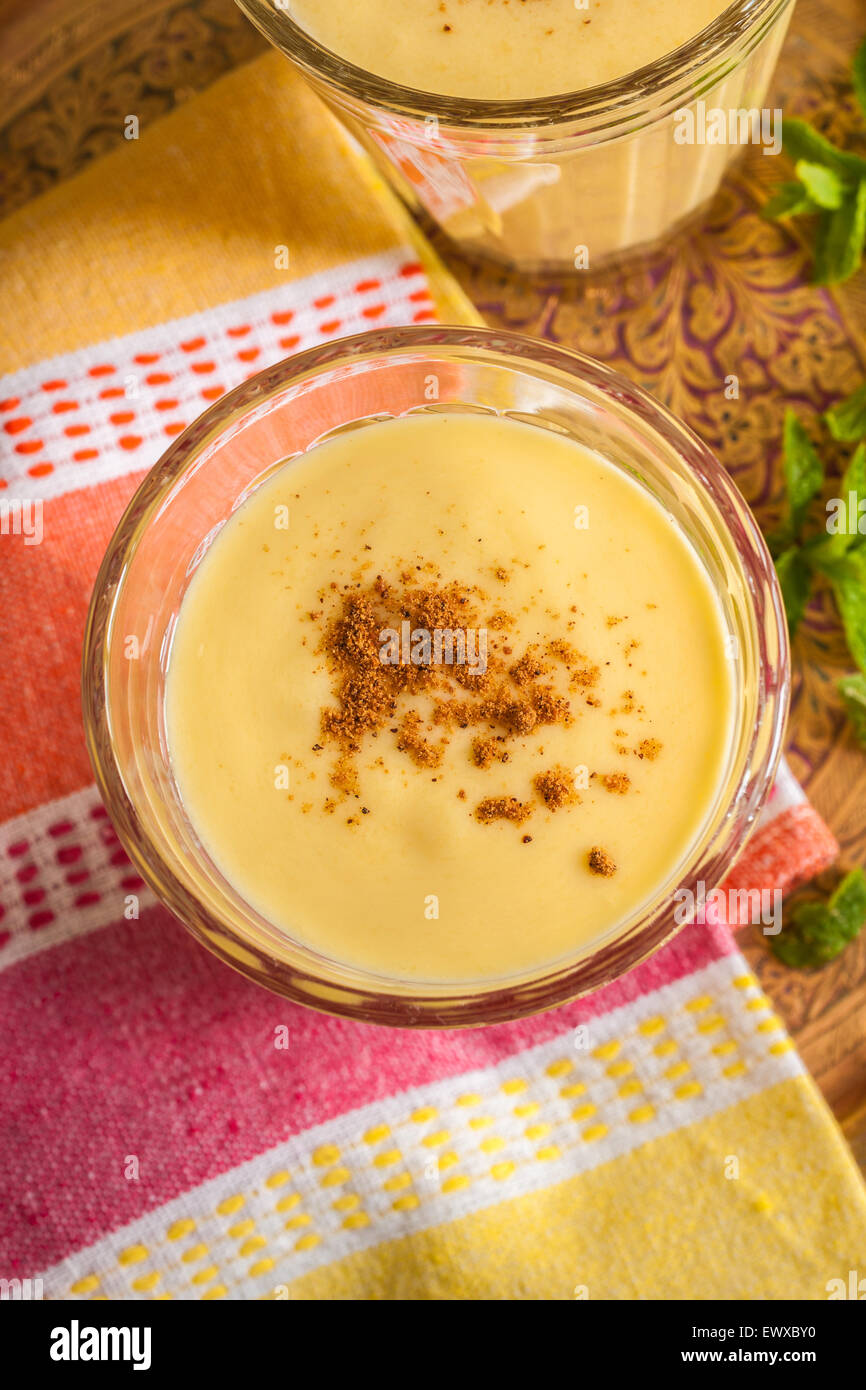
(658, 1139)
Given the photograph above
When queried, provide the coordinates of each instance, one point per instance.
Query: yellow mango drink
(503, 50)
(448, 698)
(550, 135)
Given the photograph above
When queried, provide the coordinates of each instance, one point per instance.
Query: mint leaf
(848, 577)
(831, 181)
(804, 943)
(844, 512)
(804, 475)
(847, 420)
(853, 692)
(848, 902)
(821, 931)
(858, 76)
(823, 185)
(804, 472)
(854, 481)
(802, 141)
(840, 238)
(795, 581)
(789, 200)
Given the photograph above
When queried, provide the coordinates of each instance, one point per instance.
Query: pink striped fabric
(136, 1042)
(123, 1038)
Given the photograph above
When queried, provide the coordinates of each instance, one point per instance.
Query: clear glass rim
(738, 28)
(402, 1004)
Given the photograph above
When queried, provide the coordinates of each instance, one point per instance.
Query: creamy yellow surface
(503, 49)
(417, 887)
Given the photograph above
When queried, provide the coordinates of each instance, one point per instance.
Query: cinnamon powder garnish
(649, 748)
(585, 677)
(505, 699)
(618, 782)
(556, 788)
(600, 862)
(502, 808)
(529, 668)
(412, 741)
(488, 750)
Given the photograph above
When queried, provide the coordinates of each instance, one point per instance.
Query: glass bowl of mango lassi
(429, 670)
(553, 136)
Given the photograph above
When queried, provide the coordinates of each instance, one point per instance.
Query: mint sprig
(824, 187)
(804, 478)
(831, 184)
(847, 420)
(853, 692)
(789, 200)
(820, 931)
(843, 523)
(840, 239)
(848, 579)
(795, 580)
(858, 76)
(838, 550)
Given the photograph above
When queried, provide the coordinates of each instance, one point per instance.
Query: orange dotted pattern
(108, 408)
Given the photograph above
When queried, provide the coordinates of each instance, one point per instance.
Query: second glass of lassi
(550, 136)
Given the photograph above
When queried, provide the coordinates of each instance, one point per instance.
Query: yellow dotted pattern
(534, 1132)
(377, 1134)
(651, 1026)
(147, 1282)
(231, 1205)
(697, 1006)
(642, 1114)
(436, 1152)
(515, 1086)
(433, 1141)
(560, 1068)
(621, 1068)
(397, 1185)
(133, 1255)
(574, 1088)
(195, 1252)
(278, 1179)
(82, 1287)
(336, 1175)
(492, 1145)
(384, 1160)
(179, 1229)
(676, 1070)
